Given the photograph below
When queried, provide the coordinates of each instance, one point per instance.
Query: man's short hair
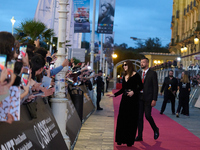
(171, 70)
(100, 71)
(146, 59)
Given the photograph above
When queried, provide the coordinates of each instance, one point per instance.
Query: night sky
(133, 18)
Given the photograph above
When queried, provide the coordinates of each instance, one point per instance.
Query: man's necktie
(143, 77)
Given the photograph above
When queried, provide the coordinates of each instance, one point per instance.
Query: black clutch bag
(126, 90)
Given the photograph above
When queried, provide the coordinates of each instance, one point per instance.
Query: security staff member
(99, 82)
(170, 88)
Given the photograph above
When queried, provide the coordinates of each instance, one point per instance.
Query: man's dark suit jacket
(165, 86)
(99, 82)
(150, 86)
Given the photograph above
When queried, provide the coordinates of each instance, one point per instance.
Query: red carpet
(173, 136)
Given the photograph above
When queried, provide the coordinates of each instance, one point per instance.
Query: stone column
(59, 103)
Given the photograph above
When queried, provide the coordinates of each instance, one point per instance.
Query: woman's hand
(3, 75)
(25, 60)
(30, 98)
(48, 71)
(36, 86)
(110, 95)
(10, 118)
(130, 93)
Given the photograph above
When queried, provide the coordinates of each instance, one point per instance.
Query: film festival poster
(108, 44)
(97, 44)
(106, 16)
(81, 16)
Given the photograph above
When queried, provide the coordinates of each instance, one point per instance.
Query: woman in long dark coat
(129, 107)
(184, 93)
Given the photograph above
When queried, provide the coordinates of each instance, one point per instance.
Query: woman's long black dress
(128, 111)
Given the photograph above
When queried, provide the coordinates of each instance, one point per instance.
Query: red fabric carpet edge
(173, 136)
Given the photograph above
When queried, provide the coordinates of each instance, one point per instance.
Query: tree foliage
(151, 45)
(124, 52)
(31, 30)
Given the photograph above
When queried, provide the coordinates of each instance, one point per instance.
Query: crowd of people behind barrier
(28, 71)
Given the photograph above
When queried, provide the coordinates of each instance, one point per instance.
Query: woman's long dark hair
(7, 42)
(130, 70)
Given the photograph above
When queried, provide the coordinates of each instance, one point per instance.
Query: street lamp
(185, 49)
(13, 22)
(182, 49)
(178, 58)
(114, 56)
(196, 40)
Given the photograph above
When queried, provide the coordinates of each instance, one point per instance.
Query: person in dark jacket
(99, 82)
(170, 88)
(148, 98)
(184, 93)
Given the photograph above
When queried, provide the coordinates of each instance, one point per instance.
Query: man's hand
(37, 43)
(174, 92)
(65, 63)
(48, 92)
(153, 103)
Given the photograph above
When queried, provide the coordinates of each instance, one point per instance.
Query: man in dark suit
(148, 98)
(170, 88)
(99, 82)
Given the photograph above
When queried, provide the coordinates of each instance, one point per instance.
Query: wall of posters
(106, 16)
(81, 16)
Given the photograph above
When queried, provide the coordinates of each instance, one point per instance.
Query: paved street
(97, 133)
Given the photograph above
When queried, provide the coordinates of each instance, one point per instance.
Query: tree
(31, 30)
(126, 54)
(151, 45)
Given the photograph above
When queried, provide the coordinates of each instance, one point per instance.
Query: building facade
(159, 58)
(185, 27)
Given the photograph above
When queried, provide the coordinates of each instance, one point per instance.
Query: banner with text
(106, 16)
(109, 44)
(42, 133)
(81, 16)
